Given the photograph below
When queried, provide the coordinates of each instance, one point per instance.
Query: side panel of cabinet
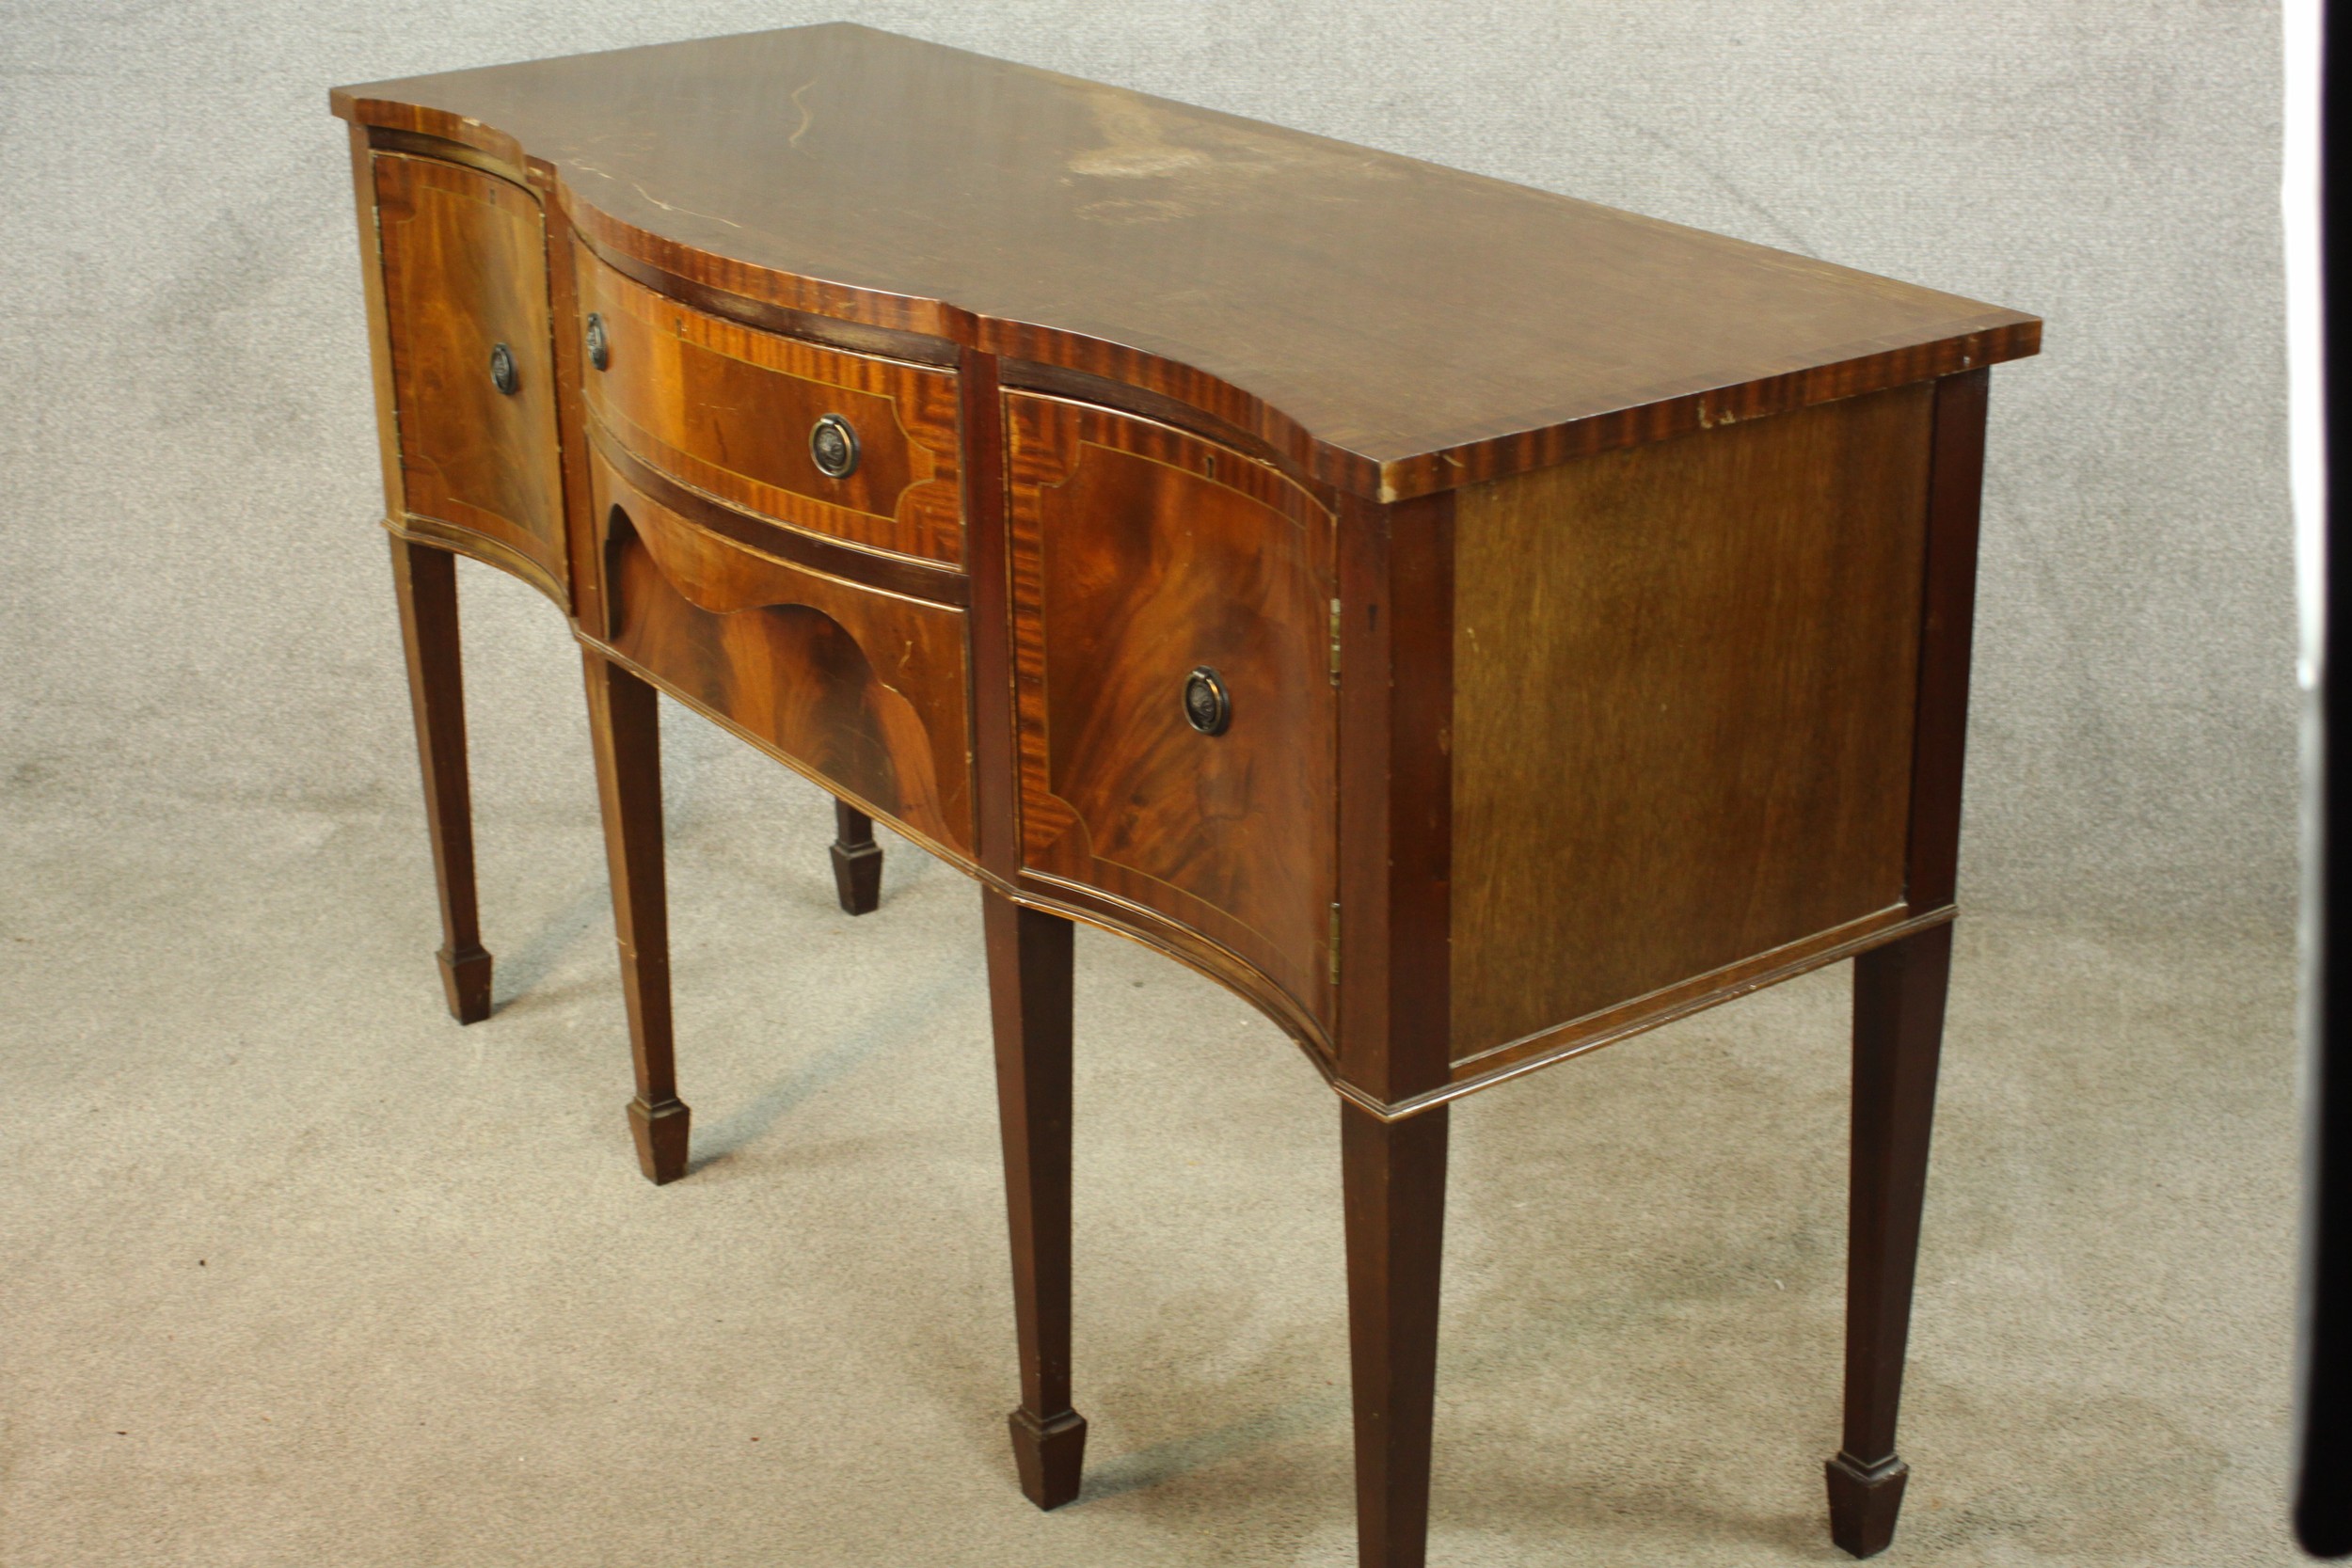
(1684, 678)
(1140, 554)
(465, 270)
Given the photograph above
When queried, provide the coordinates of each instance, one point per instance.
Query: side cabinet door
(465, 272)
(1139, 555)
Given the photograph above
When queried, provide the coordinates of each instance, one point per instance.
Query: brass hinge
(1335, 641)
(1335, 945)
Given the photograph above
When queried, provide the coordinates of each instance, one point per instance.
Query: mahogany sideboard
(1474, 625)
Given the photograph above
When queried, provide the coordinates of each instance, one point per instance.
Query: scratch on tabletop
(808, 115)
(665, 206)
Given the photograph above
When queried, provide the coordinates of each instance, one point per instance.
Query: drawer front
(864, 690)
(1141, 554)
(731, 410)
(464, 273)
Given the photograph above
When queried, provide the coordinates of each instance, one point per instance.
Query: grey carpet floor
(293, 1270)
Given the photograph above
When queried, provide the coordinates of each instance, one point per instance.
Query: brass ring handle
(833, 446)
(502, 373)
(1208, 707)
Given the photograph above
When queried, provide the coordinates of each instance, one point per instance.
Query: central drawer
(861, 689)
(852, 446)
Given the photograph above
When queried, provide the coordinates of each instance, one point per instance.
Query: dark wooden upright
(1473, 624)
(857, 859)
(625, 731)
(426, 581)
(1028, 966)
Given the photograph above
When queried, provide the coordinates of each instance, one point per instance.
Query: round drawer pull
(833, 445)
(1207, 707)
(502, 373)
(599, 347)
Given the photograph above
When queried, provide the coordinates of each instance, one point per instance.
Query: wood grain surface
(1397, 327)
(906, 575)
(363, 195)
(857, 861)
(865, 692)
(1395, 804)
(1899, 994)
(1138, 554)
(728, 408)
(465, 267)
(1682, 723)
(424, 582)
(1392, 1177)
(1946, 628)
(1029, 1005)
(571, 414)
(625, 733)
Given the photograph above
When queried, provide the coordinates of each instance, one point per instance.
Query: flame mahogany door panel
(1140, 554)
(464, 273)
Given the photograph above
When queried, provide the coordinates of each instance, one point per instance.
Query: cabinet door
(1139, 556)
(464, 274)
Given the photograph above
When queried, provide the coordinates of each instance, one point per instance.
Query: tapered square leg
(1898, 1035)
(466, 982)
(426, 581)
(624, 724)
(1394, 1178)
(1029, 987)
(659, 1132)
(1864, 1503)
(857, 859)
